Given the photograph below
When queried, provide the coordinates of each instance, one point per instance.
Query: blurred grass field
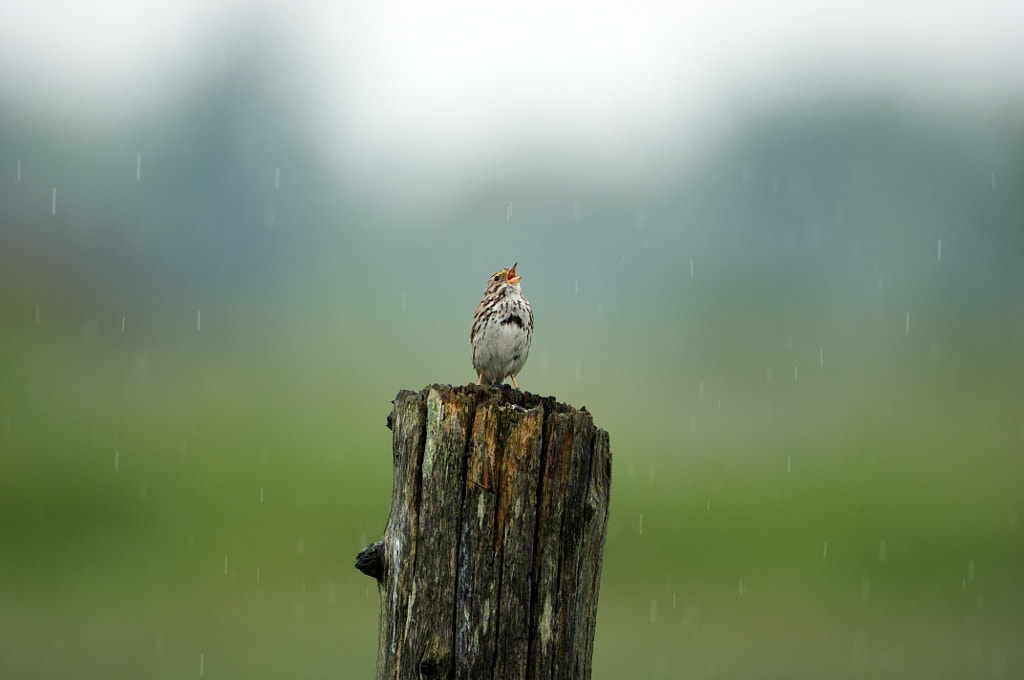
(807, 355)
(195, 498)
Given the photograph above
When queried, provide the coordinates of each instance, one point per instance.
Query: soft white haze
(605, 83)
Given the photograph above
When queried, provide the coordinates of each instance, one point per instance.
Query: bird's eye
(497, 277)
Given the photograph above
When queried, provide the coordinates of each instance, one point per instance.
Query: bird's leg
(514, 382)
(481, 380)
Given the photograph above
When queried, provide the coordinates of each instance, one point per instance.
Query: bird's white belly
(500, 350)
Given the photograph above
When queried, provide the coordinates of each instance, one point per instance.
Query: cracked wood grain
(490, 562)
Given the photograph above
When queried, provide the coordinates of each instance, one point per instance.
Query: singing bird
(502, 328)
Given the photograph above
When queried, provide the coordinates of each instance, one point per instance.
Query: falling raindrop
(907, 323)
(673, 600)
(938, 257)
(199, 320)
(257, 574)
(821, 356)
(641, 525)
(577, 286)
(824, 553)
(650, 476)
(796, 373)
(300, 545)
(138, 167)
(117, 460)
(970, 571)
(508, 212)
(654, 611)
(277, 178)
(202, 663)
(741, 587)
(53, 202)
(225, 565)
(122, 324)
(709, 505)
(261, 495)
(768, 373)
(691, 267)
(19, 171)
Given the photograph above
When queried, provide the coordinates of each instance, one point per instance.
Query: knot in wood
(369, 562)
(432, 667)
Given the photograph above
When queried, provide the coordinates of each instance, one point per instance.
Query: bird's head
(506, 278)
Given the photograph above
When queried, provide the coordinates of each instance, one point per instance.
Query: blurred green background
(799, 314)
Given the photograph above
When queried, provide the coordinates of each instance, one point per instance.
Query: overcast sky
(412, 81)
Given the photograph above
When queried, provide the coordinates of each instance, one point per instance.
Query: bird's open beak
(511, 276)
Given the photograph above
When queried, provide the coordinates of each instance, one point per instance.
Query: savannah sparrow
(502, 328)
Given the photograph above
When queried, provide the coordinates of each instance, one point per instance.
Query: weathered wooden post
(490, 563)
